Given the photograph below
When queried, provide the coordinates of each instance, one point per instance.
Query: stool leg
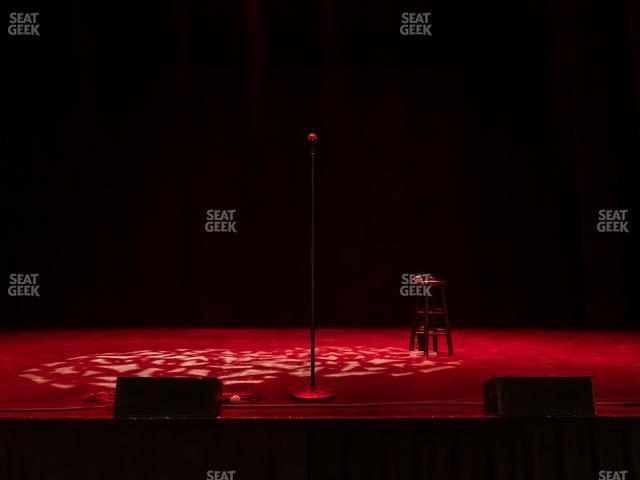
(446, 321)
(414, 326)
(412, 341)
(435, 340)
(426, 325)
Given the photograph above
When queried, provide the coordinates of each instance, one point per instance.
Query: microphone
(312, 138)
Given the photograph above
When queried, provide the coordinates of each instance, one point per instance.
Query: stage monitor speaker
(539, 396)
(167, 397)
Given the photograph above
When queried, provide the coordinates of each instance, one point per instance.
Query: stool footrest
(433, 331)
(431, 311)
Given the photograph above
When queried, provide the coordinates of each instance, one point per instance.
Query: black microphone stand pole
(311, 394)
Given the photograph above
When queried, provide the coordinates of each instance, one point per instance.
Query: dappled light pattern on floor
(233, 367)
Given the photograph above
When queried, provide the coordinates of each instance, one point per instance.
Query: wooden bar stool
(430, 319)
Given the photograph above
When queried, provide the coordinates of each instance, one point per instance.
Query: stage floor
(49, 374)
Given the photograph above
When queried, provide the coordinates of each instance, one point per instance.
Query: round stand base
(312, 395)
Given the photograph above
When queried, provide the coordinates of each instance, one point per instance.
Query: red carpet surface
(50, 374)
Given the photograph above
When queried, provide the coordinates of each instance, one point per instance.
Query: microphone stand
(311, 394)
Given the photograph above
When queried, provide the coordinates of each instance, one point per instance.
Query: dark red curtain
(481, 153)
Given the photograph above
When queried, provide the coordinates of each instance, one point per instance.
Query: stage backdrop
(481, 152)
